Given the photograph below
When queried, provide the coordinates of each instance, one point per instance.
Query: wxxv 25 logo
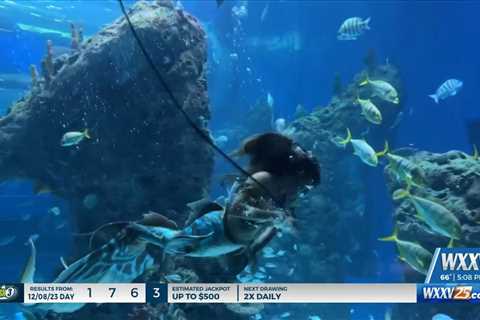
(438, 293)
(454, 275)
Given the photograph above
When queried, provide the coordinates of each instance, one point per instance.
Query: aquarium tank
(237, 142)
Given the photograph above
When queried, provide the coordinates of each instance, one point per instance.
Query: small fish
(268, 252)
(221, 141)
(441, 316)
(259, 275)
(219, 3)
(245, 278)
(73, 138)
(290, 272)
(270, 265)
(61, 225)
(314, 318)
(90, 201)
(173, 277)
(270, 100)
(280, 125)
(382, 89)
(281, 253)
(405, 170)
(285, 315)
(411, 253)
(436, 216)
(26, 216)
(55, 211)
(352, 28)
(370, 111)
(50, 7)
(295, 247)
(264, 12)
(447, 89)
(6, 240)
(361, 149)
(397, 120)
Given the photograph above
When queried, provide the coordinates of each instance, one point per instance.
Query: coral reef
(328, 213)
(141, 147)
(451, 179)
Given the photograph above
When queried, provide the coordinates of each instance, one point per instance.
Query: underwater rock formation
(142, 155)
(451, 179)
(340, 201)
(327, 213)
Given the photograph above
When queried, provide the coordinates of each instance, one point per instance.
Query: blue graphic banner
(455, 265)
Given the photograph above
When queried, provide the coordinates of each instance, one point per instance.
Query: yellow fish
(361, 149)
(382, 89)
(411, 253)
(436, 216)
(370, 111)
(72, 138)
(405, 170)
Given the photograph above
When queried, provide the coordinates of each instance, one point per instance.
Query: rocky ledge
(142, 155)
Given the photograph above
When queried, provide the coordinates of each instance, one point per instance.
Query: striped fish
(447, 89)
(352, 28)
(370, 111)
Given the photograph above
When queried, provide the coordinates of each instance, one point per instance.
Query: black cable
(177, 105)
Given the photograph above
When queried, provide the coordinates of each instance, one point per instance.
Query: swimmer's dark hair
(281, 156)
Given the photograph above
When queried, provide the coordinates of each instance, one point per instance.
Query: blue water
(429, 42)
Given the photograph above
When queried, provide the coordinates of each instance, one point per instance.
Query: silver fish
(15, 81)
(55, 211)
(447, 89)
(270, 100)
(73, 138)
(264, 12)
(90, 201)
(173, 277)
(352, 28)
(7, 240)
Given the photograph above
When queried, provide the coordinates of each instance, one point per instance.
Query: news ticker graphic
(207, 293)
(453, 276)
(238, 293)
